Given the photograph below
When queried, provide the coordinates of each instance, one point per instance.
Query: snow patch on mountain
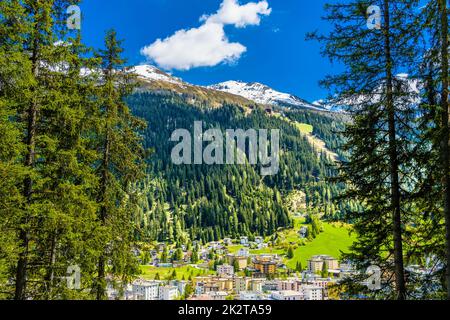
(324, 104)
(262, 94)
(151, 73)
(257, 92)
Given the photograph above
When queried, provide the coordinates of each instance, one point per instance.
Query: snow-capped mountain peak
(262, 94)
(151, 73)
(251, 92)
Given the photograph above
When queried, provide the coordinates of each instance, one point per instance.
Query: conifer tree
(435, 127)
(48, 107)
(445, 113)
(378, 171)
(40, 36)
(56, 177)
(120, 166)
(324, 272)
(14, 81)
(73, 185)
(290, 253)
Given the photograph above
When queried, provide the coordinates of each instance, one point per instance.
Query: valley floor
(216, 272)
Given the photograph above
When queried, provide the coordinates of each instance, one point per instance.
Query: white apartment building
(181, 285)
(217, 296)
(146, 290)
(200, 288)
(312, 292)
(259, 239)
(287, 295)
(249, 296)
(256, 284)
(243, 252)
(240, 284)
(168, 293)
(225, 270)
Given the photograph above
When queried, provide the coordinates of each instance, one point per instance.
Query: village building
(287, 295)
(168, 292)
(312, 292)
(242, 261)
(225, 270)
(315, 264)
(146, 290)
(244, 241)
(265, 264)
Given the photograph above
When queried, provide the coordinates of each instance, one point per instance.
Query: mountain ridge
(264, 94)
(232, 91)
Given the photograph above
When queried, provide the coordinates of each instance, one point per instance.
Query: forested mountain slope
(210, 202)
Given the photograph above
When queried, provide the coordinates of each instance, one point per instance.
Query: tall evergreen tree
(55, 176)
(436, 124)
(445, 113)
(121, 164)
(14, 81)
(379, 139)
(48, 107)
(74, 181)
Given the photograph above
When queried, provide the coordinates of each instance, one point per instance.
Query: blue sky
(276, 51)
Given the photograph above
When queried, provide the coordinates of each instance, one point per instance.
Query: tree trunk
(21, 273)
(101, 278)
(445, 133)
(400, 286)
(50, 276)
(30, 141)
(101, 293)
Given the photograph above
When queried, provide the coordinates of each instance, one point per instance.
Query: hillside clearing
(335, 238)
(149, 272)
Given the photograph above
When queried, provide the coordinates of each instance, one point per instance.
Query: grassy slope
(304, 128)
(307, 130)
(235, 248)
(149, 272)
(334, 239)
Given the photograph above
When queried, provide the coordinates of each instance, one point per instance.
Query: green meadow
(149, 272)
(335, 238)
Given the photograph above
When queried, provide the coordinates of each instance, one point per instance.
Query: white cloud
(231, 12)
(207, 45)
